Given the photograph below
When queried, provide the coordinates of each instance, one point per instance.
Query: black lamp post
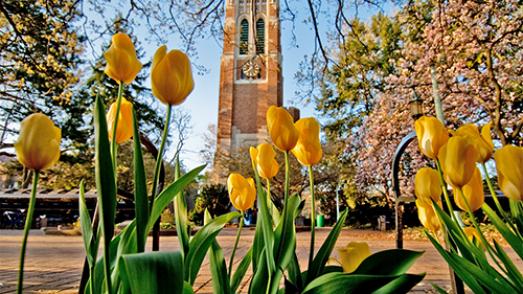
(416, 109)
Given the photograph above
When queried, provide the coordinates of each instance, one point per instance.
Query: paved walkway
(53, 263)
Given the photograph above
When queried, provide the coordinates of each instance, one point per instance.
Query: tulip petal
(38, 146)
(509, 165)
(281, 128)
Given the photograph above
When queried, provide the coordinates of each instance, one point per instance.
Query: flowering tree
(467, 53)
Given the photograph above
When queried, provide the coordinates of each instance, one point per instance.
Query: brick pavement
(53, 263)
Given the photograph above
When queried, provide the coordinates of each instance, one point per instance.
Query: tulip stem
(115, 125)
(493, 192)
(313, 214)
(287, 179)
(27, 227)
(160, 155)
(240, 226)
(269, 200)
(445, 192)
(478, 229)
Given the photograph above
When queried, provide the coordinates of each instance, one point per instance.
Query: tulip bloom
(509, 164)
(124, 130)
(458, 160)
(122, 63)
(265, 161)
(308, 148)
(432, 135)
(171, 76)
(473, 236)
(427, 216)
(426, 185)
(482, 142)
(473, 192)
(242, 192)
(38, 146)
(353, 255)
(281, 128)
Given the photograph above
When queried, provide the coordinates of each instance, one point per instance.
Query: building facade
(250, 74)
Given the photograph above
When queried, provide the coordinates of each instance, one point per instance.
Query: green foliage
(40, 57)
(366, 59)
(471, 263)
(105, 185)
(163, 274)
(213, 197)
(201, 242)
(111, 273)
(140, 189)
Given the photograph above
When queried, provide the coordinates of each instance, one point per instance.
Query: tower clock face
(251, 69)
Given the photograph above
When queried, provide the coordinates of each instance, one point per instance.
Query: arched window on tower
(260, 36)
(244, 37)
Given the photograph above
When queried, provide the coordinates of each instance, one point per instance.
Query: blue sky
(202, 104)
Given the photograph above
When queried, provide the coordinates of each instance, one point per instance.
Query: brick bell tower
(250, 74)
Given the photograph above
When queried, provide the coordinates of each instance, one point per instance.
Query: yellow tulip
(353, 255)
(242, 191)
(426, 185)
(38, 145)
(122, 63)
(473, 192)
(473, 236)
(427, 216)
(308, 148)
(266, 163)
(253, 152)
(458, 159)
(124, 129)
(509, 164)
(281, 128)
(432, 135)
(171, 76)
(482, 142)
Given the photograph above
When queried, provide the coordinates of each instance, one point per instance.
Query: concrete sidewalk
(53, 263)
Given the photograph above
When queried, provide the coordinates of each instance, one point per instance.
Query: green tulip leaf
(240, 271)
(285, 241)
(294, 276)
(257, 245)
(220, 279)
(153, 272)
(180, 214)
(388, 262)
(318, 263)
(402, 284)
(168, 194)
(259, 282)
(201, 242)
(141, 204)
(467, 271)
(90, 239)
(105, 181)
(267, 232)
(346, 283)
(509, 236)
(97, 279)
(187, 288)
(285, 233)
(512, 271)
(127, 244)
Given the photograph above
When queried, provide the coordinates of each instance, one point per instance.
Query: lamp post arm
(396, 186)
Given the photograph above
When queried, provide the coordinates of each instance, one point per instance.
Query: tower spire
(250, 73)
